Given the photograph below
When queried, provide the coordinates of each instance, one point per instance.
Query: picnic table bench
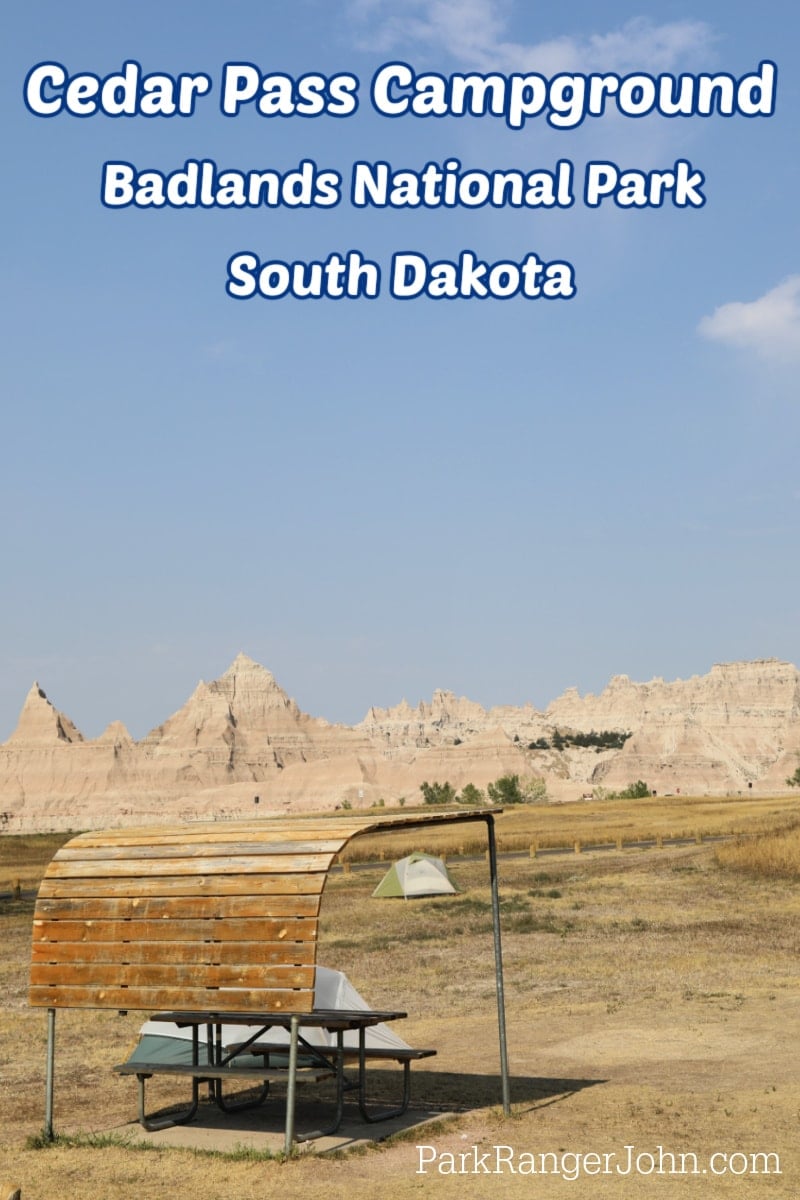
(209, 1073)
(403, 1055)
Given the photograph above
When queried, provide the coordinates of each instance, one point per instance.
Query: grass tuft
(94, 1141)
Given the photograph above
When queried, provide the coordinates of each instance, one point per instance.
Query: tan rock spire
(39, 722)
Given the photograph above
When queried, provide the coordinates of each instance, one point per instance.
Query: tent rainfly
(417, 875)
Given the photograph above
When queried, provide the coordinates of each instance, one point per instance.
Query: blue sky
(375, 498)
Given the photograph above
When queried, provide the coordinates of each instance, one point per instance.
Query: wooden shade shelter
(218, 916)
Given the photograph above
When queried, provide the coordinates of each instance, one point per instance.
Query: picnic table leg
(155, 1124)
(338, 1112)
(388, 1113)
(291, 1085)
(51, 1058)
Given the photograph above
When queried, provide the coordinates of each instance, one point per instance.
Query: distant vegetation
(508, 789)
(794, 780)
(634, 791)
(471, 795)
(438, 793)
(606, 739)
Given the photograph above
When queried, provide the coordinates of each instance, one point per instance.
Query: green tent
(417, 875)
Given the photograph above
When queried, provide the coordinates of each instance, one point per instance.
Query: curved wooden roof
(219, 916)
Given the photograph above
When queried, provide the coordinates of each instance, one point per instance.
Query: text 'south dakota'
(410, 276)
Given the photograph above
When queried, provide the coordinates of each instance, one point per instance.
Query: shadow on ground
(438, 1096)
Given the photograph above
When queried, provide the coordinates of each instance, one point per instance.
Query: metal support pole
(291, 1085)
(498, 967)
(51, 1058)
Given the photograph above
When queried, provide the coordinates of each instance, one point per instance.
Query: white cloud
(770, 326)
(463, 27)
(472, 32)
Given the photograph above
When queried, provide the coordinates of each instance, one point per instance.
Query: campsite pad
(263, 1129)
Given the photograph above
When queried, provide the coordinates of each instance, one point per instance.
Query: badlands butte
(736, 729)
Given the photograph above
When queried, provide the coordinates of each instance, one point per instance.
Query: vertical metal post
(51, 1058)
(498, 967)
(291, 1085)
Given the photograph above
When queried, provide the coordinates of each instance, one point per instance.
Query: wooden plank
(198, 952)
(176, 907)
(198, 848)
(145, 868)
(246, 1000)
(200, 832)
(211, 929)
(173, 975)
(336, 827)
(177, 885)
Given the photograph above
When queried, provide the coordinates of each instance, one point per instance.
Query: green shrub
(471, 795)
(506, 790)
(438, 793)
(635, 791)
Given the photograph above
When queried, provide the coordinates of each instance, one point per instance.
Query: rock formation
(40, 724)
(240, 745)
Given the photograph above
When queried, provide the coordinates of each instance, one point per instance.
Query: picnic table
(305, 1061)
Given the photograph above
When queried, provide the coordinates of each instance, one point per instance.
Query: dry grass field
(775, 853)
(600, 822)
(653, 1000)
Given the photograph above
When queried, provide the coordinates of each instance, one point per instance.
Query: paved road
(554, 851)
